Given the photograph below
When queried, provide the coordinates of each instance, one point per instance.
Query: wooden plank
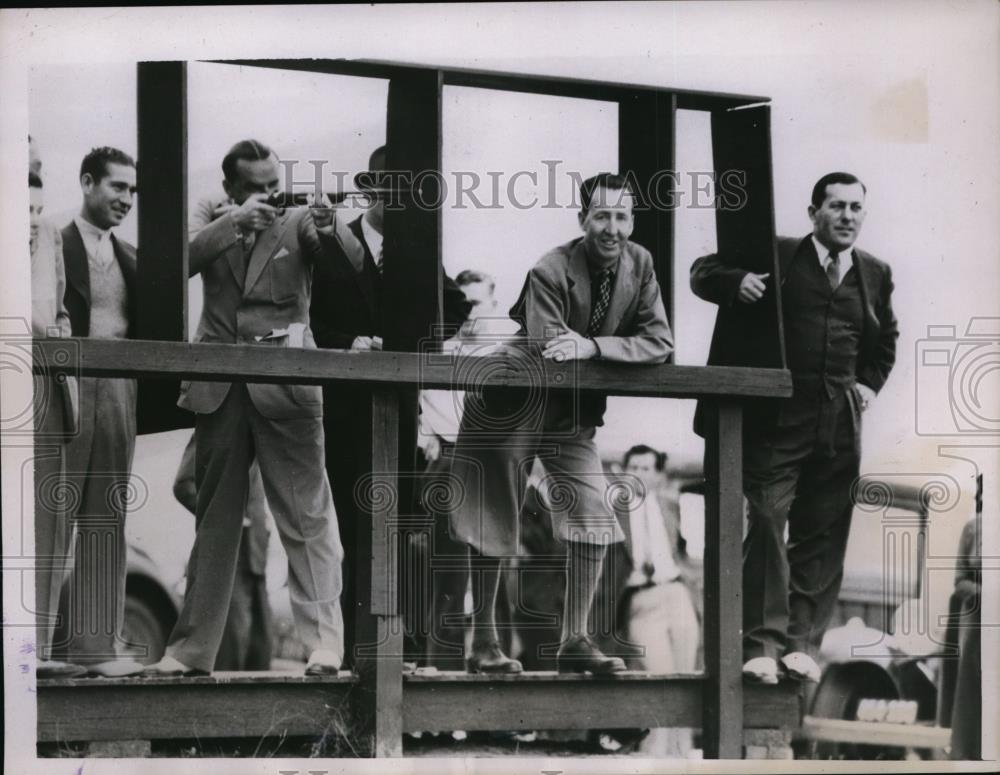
(162, 282)
(690, 99)
(119, 358)
(723, 710)
(646, 150)
(741, 145)
(873, 733)
(223, 705)
(379, 630)
(254, 705)
(411, 284)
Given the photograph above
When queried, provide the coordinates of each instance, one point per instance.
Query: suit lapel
(234, 255)
(75, 263)
(578, 280)
(265, 247)
(361, 277)
(622, 293)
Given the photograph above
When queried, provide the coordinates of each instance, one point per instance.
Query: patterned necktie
(833, 270)
(602, 300)
(379, 262)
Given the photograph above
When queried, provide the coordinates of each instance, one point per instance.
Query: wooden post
(161, 98)
(379, 633)
(722, 724)
(646, 151)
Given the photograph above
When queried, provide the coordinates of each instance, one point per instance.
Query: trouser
(662, 620)
(290, 455)
(98, 494)
(52, 527)
(246, 640)
(798, 473)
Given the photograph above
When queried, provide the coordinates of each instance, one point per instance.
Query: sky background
(902, 94)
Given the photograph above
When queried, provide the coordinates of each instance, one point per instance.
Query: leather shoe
(801, 667)
(761, 670)
(580, 655)
(488, 658)
(168, 666)
(50, 668)
(323, 662)
(115, 668)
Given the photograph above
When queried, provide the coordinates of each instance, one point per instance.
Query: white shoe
(761, 670)
(116, 668)
(168, 666)
(323, 662)
(801, 667)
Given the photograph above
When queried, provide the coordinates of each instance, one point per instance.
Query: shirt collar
(372, 237)
(822, 251)
(87, 229)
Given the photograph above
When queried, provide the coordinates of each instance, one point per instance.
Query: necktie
(248, 240)
(602, 300)
(379, 262)
(648, 568)
(833, 270)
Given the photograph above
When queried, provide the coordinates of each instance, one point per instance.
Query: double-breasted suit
(101, 301)
(801, 455)
(253, 291)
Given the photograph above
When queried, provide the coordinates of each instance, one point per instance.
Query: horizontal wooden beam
(548, 700)
(556, 86)
(873, 733)
(274, 704)
(254, 363)
(221, 705)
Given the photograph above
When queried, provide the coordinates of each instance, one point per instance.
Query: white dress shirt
(650, 543)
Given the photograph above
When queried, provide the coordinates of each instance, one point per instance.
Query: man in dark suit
(346, 314)
(594, 297)
(256, 264)
(100, 298)
(801, 456)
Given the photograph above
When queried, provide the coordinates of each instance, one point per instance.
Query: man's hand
(433, 449)
(254, 214)
(366, 343)
(569, 346)
(322, 213)
(752, 287)
(867, 395)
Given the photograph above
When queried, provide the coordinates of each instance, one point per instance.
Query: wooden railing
(383, 704)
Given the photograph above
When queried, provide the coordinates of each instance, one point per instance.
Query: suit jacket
(78, 279)
(746, 334)
(347, 297)
(556, 297)
(49, 318)
(247, 300)
(611, 600)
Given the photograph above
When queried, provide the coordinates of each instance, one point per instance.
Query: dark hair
(608, 180)
(96, 162)
(244, 150)
(645, 449)
(34, 181)
(373, 159)
(832, 179)
(470, 276)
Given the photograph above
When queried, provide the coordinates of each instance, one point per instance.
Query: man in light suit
(101, 297)
(594, 297)
(802, 455)
(256, 265)
(56, 417)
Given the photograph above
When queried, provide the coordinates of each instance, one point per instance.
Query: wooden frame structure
(383, 702)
